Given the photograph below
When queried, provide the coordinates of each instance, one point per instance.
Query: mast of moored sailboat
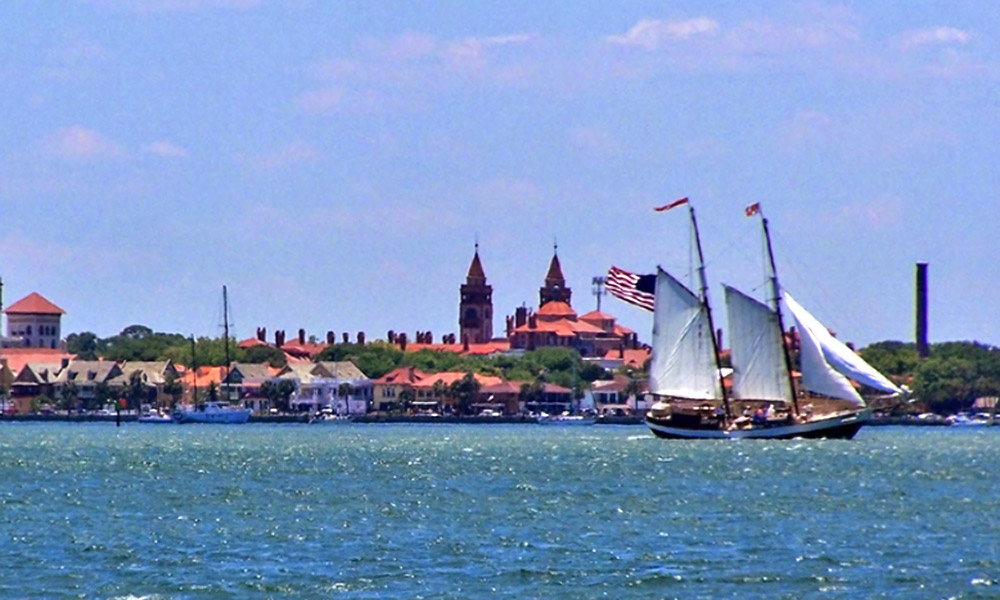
(225, 329)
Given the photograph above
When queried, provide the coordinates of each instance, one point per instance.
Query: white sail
(841, 358)
(759, 370)
(683, 364)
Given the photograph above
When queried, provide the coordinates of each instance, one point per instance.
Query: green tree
(83, 345)
(136, 390)
(286, 387)
(269, 354)
(633, 388)
(269, 389)
(374, 359)
(892, 358)
(70, 393)
(213, 392)
(464, 391)
(406, 399)
(173, 388)
(102, 394)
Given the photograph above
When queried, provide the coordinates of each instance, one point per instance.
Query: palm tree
(346, 390)
(632, 389)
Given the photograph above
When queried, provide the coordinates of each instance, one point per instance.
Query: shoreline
(376, 419)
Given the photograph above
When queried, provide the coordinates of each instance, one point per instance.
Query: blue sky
(334, 163)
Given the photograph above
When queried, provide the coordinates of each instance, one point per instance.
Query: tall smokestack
(922, 348)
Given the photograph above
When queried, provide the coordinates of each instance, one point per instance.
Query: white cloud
(651, 34)
(933, 36)
(78, 143)
(165, 149)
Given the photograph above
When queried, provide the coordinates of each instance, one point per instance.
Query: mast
(777, 309)
(225, 319)
(194, 367)
(708, 310)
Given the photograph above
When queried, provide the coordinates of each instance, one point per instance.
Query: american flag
(632, 288)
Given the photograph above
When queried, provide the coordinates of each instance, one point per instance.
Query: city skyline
(334, 164)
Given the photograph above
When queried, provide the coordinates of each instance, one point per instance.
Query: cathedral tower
(475, 310)
(555, 289)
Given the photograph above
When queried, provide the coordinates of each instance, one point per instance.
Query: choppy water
(451, 511)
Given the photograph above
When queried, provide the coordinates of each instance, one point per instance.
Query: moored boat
(211, 412)
(566, 420)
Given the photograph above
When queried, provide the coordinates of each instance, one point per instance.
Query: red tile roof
(34, 304)
(401, 375)
(504, 387)
(251, 343)
(16, 358)
(449, 377)
(560, 327)
(485, 348)
(634, 358)
(597, 316)
(556, 309)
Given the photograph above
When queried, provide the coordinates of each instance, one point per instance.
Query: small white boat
(211, 412)
(155, 417)
(961, 420)
(566, 419)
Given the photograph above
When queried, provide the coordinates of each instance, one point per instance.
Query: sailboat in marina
(214, 411)
(763, 402)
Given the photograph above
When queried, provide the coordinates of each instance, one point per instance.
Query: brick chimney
(302, 336)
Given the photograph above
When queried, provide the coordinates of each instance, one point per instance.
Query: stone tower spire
(475, 308)
(555, 289)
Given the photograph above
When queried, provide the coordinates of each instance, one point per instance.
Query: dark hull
(841, 427)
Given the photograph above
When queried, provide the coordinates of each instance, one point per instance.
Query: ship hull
(840, 426)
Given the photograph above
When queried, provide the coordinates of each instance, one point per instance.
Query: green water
(463, 511)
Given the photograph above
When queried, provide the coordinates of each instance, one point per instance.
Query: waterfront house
(154, 376)
(390, 390)
(245, 380)
(433, 392)
(88, 377)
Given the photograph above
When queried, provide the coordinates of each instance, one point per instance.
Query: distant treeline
(949, 380)
(560, 366)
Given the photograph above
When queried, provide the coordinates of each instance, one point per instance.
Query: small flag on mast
(634, 289)
(673, 204)
(753, 209)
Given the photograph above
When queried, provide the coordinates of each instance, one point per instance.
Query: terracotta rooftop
(449, 377)
(34, 304)
(16, 358)
(556, 309)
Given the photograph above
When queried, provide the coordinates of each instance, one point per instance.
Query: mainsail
(683, 363)
(827, 363)
(759, 371)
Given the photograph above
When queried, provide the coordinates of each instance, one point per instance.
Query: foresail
(759, 370)
(683, 364)
(841, 358)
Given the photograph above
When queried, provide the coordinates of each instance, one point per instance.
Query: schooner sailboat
(686, 376)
